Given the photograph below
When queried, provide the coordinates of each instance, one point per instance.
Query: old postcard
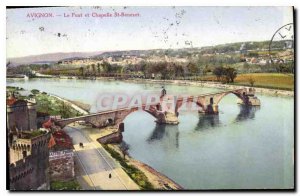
(150, 98)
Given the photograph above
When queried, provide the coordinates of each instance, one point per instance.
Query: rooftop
(62, 140)
(10, 101)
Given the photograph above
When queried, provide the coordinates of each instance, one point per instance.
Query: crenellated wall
(29, 171)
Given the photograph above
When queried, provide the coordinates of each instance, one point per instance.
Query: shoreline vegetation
(144, 175)
(57, 106)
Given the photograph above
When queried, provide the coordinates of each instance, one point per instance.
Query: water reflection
(246, 112)
(166, 132)
(207, 121)
(170, 133)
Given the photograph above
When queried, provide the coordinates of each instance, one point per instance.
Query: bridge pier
(250, 101)
(167, 118)
(210, 109)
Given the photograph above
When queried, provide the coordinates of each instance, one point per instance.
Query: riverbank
(267, 91)
(76, 105)
(158, 180)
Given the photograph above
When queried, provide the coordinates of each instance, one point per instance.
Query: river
(241, 148)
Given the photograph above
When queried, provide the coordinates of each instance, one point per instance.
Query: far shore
(207, 84)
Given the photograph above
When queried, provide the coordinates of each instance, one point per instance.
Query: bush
(35, 91)
(60, 185)
(226, 73)
(251, 81)
(37, 133)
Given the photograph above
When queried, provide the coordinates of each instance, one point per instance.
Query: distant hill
(50, 58)
(183, 52)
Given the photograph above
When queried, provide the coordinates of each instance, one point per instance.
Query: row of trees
(96, 69)
(159, 70)
(165, 70)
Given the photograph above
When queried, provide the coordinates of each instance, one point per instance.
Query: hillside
(73, 58)
(49, 58)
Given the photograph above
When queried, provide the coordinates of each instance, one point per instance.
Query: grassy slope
(266, 80)
(269, 80)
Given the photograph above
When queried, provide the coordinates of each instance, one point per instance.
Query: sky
(150, 28)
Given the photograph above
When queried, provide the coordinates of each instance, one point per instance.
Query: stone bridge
(208, 103)
(112, 117)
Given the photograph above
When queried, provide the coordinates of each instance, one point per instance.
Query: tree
(144, 68)
(107, 68)
(43, 104)
(98, 68)
(170, 71)
(192, 68)
(219, 72)
(230, 74)
(81, 69)
(285, 67)
(35, 91)
(206, 70)
(64, 110)
(88, 69)
(94, 69)
(251, 81)
(124, 148)
(179, 71)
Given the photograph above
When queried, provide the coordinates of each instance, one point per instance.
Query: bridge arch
(208, 101)
(107, 118)
(217, 98)
(192, 99)
(144, 116)
(152, 110)
(154, 115)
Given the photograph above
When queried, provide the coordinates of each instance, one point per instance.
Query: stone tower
(21, 114)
